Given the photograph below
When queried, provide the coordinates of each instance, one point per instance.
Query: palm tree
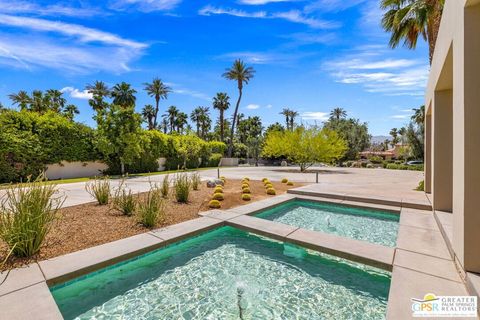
(164, 125)
(408, 19)
(386, 143)
(338, 113)
(171, 117)
(293, 115)
(195, 117)
(70, 111)
(394, 134)
(56, 101)
(158, 90)
(148, 114)
(419, 115)
(123, 95)
(286, 112)
(38, 102)
(242, 74)
(99, 90)
(181, 121)
(205, 122)
(221, 102)
(22, 99)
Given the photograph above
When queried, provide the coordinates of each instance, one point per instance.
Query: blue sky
(310, 56)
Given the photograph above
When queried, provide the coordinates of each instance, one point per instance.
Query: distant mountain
(379, 139)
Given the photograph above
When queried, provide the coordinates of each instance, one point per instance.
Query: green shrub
(376, 159)
(217, 147)
(26, 216)
(165, 186)
(123, 200)
(395, 166)
(246, 197)
(152, 209)
(182, 187)
(245, 185)
(214, 160)
(218, 196)
(289, 183)
(246, 190)
(218, 189)
(284, 180)
(195, 180)
(421, 186)
(214, 204)
(99, 188)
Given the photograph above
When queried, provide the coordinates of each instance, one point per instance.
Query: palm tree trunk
(230, 146)
(221, 125)
(156, 112)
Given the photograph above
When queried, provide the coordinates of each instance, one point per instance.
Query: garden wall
(68, 170)
(228, 162)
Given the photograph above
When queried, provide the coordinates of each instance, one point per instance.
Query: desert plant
(246, 190)
(271, 191)
(123, 200)
(284, 180)
(152, 209)
(99, 188)
(165, 186)
(218, 189)
(245, 185)
(246, 197)
(182, 187)
(246, 179)
(421, 186)
(289, 183)
(218, 196)
(264, 179)
(26, 216)
(214, 204)
(195, 180)
(268, 186)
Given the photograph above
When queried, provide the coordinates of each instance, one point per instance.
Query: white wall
(67, 170)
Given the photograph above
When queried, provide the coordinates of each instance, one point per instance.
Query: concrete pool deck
(420, 263)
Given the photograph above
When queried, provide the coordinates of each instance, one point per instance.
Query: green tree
(195, 116)
(274, 127)
(286, 113)
(123, 95)
(293, 115)
(70, 111)
(99, 91)
(158, 90)
(305, 147)
(394, 135)
(56, 101)
(148, 114)
(22, 99)
(118, 134)
(338, 113)
(181, 121)
(221, 102)
(353, 132)
(406, 20)
(242, 74)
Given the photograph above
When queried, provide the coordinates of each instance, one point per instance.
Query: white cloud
(145, 5)
(399, 116)
(319, 116)
(13, 6)
(253, 106)
(311, 38)
(333, 5)
(264, 57)
(260, 2)
(268, 106)
(294, 16)
(77, 94)
(84, 34)
(179, 89)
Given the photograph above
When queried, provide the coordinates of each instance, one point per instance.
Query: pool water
(374, 226)
(228, 274)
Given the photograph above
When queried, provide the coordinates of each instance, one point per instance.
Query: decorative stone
(284, 163)
(214, 182)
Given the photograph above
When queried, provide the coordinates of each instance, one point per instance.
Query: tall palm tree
(286, 112)
(164, 125)
(409, 19)
(181, 121)
(148, 114)
(70, 111)
(38, 102)
(338, 113)
(171, 117)
(221, 102)
(293, 115)
(205, 122)
(158, 90)
(195, 117)
(394, 134)
(419, 115)
(55, 99)
(99, 90)
(242, 74)
(123, 95)
(22, 99)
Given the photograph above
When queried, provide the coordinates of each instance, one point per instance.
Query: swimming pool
(228, 274)
(374, 226)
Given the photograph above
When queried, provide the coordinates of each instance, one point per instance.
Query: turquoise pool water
(228, 274)
(361, 224)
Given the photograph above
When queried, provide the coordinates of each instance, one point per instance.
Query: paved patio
(394, 184)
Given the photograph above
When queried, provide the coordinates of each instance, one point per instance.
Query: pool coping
(36, 278)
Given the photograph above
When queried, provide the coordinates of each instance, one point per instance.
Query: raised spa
(228, 274)
(374, 226)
